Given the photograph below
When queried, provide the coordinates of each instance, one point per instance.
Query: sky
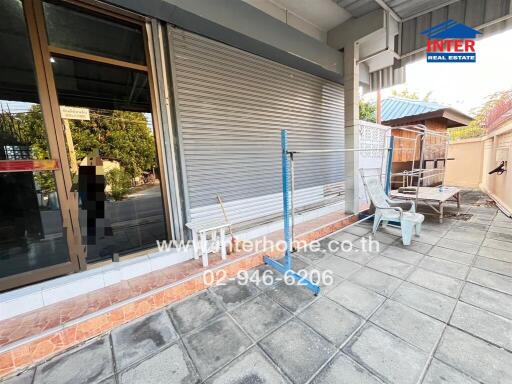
(463, 86)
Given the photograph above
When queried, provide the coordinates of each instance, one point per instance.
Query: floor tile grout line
(255, 343)
(295, 315)
(436, 346)
(340, 348)
(360, 327)
(180, 340)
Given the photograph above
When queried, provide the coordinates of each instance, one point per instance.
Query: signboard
(74, 113)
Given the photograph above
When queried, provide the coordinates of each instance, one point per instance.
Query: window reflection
(71, 28)
(31, 229)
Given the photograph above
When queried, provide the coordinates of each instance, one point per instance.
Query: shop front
(81, 179)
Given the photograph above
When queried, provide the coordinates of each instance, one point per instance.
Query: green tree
(124, 136)
(406, 94)
(484, 115)
(121, 135)
(27, 130)
(367, 111)
(119, 182)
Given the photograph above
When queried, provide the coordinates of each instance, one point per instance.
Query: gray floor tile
(142, 337)
(91, 362)
(297, 350)
(356, 298)
(391, 267)
(215, 345)
(386, 355)
(458, 246)
(195, 311)
(343, 370)
(109, 380)
(440, 373)
(312, 255)
(436, 282)
(251, 367)
(493, 301)
(369, 243)
(475, 357)
(322, 278)
(379, 282)
(172, 365)
(497, 244)
(473, 224)
(480, 220)
(452, 255)
(410, 325)
(503, 230)
(415, 246)
(293, 297)
(357, 230)
(483, 211)
(385, 238)
(497, 254)
(491, 280)
(424, 300)
(403, 255)
(432, 224)
(260, 316)
(331, 320)
(500, 224)
(495, 329)
(344, 236)
(21, 378)
(428, 237)
(234, 292)
(445, 267)
(339, 266)
(265, 277)
(499, 236)
(297, 262)
(329, 244)
(468, 236)
(500, 267)
(356, 255)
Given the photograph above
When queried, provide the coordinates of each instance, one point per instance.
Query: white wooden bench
(204, 239)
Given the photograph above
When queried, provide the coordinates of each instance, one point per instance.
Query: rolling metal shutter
(231, 106)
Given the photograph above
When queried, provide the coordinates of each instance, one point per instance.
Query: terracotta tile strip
(27, 354)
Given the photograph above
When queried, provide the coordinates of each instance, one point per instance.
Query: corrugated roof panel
(396, 107)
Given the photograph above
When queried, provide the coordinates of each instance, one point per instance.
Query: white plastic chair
(387, 209)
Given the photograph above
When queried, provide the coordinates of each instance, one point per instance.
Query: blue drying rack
(286, 268)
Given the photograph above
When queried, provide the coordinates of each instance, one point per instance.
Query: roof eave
(454, 117)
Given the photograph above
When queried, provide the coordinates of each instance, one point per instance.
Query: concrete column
(351, 84)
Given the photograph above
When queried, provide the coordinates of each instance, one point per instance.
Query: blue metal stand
(286, 269)
(389, 168)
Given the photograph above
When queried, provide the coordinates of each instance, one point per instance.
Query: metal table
(433, 197)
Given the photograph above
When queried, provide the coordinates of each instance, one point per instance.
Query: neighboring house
(398, 112)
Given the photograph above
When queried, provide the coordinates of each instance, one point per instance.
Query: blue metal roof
(396, 107)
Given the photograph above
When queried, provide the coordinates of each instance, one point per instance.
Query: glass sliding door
(33, 234)
(100, 74)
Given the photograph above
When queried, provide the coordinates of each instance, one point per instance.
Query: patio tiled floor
(439, 311)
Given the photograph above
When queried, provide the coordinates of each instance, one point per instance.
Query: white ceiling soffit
(313, 17)
(403, 8)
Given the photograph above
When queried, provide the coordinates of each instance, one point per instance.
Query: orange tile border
(32, 352)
